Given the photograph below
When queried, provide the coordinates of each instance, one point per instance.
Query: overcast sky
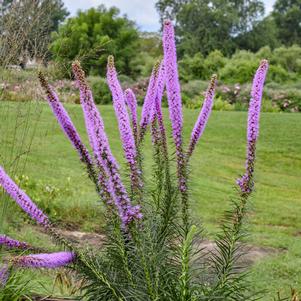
(143, 12)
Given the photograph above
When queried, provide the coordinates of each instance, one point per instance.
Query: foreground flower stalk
(246, 181)
(131, 102)
(126, 133)
(49, 261)
(148, 103)
(22, 199)
(204, 115)
(13, 244)
(175, 112)
(105, 160)
(65, 121)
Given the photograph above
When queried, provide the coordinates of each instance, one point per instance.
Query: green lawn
(276, 205)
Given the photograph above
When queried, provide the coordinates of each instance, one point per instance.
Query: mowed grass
(274, 219)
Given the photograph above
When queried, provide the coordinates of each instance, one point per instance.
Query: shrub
(150, 252)
(100, 90)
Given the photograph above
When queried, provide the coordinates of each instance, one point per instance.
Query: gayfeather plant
(12, 243)
(131, 102)
(151, 248)
(49, 261)
(246, 181)
(200, 124)
(22, 199)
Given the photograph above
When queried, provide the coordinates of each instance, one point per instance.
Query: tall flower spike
(246, 181)
(173, 84)
(175, 113)
(126, 133)
(102, 152)
(131, 102)
(149, 101)
(49, 261)
(157, 108)
(202, 120)
(13, 244)
(65, 121)
(22, 199)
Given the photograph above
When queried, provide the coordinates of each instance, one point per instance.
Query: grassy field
(53, 169)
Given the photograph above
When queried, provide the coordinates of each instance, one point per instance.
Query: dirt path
(250, 254)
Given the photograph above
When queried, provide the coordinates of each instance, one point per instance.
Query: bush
(100, 90)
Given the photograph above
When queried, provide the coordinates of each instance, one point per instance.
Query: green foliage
(264, 32)
(91, 36)
(100, 90)
(18, 287)
(203, 26)
(287, 15)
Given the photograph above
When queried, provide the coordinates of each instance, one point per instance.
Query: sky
(143, 12)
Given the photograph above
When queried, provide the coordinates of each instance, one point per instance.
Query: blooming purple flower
(101, 148)
(149, 101)
(22, 199)
(131, 102)
(173, 84)
(49, 261)
(157, 109)
(245, 182)
(175, 105)
(13, 244)
(203, 116)
(125, 130)
(65, 121)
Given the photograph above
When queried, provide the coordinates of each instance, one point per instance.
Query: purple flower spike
(13, 244)
(173, 84)
(246, 181)
(125, 130)
(157, 109)
(65, 121)
(203, 116)
(49, 261)
(22, 199)
(149, 101)
(4, 274)
(131, 102)
(102, 152)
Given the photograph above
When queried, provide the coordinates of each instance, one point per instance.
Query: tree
(287, 15)
(94, 34)
(26, 28)
(206, 25)
(264, 33)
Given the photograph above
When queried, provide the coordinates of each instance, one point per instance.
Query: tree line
(39, 28)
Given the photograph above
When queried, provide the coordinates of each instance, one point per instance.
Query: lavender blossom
(157, 109)
(149, 101)
(203, 116)
(22, 199)
(4, 274)
(13, 244)
(125, 130)
(246, 181)
(65, 121)
(131, 102)
(173, 84)
(101, 148)
(49, 261)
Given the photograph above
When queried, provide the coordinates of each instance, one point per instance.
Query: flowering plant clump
(150, 251)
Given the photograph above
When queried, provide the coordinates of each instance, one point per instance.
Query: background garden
(224, 37)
